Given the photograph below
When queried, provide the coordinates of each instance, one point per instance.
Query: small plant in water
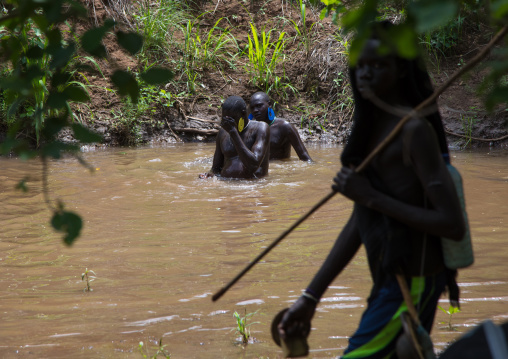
(160, 350)
(242, 327)
(451, 311)
(89, 278)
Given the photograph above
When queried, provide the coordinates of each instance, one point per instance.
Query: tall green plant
(157, 21)
(215, 46)
(30, 40)
(263, 64)
(303, 31)
(442, 41)
(201, 53)
(468, 123)
(191, 54)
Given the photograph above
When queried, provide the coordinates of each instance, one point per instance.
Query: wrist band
(310, 296)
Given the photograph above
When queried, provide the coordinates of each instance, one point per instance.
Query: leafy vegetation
(204, 54)
(160, 350)
(468, 123)
(242, 327)
(157, 21)
(303, 31)
(88, 276)
(450, 312)
(263, 67)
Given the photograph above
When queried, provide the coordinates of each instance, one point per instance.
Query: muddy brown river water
(161, 242)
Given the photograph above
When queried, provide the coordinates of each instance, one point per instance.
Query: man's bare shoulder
(419, 136)
(417, 127)
(416, 124)
(282, 124)
(258, 126)
(281, 121)
(222, 133)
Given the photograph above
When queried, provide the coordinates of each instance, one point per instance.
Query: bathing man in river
(404, 202)
(242, 146)
(283, 135)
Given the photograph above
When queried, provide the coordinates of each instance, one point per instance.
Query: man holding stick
(405, 200)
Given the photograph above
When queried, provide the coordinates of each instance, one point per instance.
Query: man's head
(378, 75)
(393, 79)
(259, 105)
(234, 107)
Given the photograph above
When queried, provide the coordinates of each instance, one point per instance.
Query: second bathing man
(283, 135)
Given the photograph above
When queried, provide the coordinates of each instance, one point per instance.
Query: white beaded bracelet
(310, 296)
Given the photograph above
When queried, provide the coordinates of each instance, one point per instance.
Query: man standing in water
(242, 146)
(283, 135)
(404, 202)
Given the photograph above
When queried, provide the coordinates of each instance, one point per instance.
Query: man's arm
(253, 157)
(296, 142)
(441, 217)
(218, 157)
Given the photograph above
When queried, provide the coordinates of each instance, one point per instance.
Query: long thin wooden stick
(411, 309)
(407, 298)
(369, 158)
(271, 246)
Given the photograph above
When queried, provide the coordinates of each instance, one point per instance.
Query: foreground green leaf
(84, 135)
(130, 41)
(126, 84)
(157, 75)
(430, 14)
(69, 223)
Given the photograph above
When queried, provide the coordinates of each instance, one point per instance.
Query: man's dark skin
(283, 135)
(377, 75)
(242, 154)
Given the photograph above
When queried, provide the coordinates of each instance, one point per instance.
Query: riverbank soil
(316, 98)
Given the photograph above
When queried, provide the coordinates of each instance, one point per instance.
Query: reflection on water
(161, 242)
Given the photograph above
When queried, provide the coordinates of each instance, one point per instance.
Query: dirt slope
(320, 79)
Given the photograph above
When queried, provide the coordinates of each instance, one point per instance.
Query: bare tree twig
(197, 131)
(202, 120)
(477, 138)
